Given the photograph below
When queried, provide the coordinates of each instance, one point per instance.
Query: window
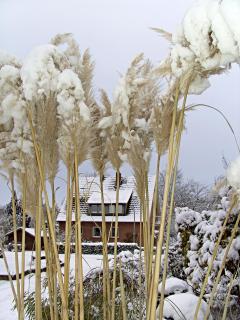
(111, 209)
(113, 233)
(94, 209)
(120, 209)
(96, 232)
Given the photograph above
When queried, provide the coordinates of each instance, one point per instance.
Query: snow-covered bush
(131, 266)
(182, 306)
(198, 234)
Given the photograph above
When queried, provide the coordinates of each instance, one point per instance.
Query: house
(129, 218)
(29, 238)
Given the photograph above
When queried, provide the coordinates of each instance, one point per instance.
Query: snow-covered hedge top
(175, 285)
(186, 217)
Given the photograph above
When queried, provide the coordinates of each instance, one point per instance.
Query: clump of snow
(174, 285)
(40, 71)
(186, 217)
(70, 96)
(233, 174)
(208, 39)
(7, 59)
(183, 306)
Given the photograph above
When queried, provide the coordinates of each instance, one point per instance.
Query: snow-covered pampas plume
(233, 174)
(40, 74)
(71, 51)
(161, 120)
(127, 121)
(207, 42)
(74, 116)
(98, 139)
(82, 65)
(74, 97)
(15, 137)
(40, 71)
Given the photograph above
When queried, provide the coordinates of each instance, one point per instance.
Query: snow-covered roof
(110, 196)
(90, 192)
(30, 231)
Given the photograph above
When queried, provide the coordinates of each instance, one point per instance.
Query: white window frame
(93, 234)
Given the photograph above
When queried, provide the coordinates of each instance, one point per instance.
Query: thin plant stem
(23, 179)
(123, 297)
(14, 214)
(106, 282)
(9, 276)
(115, 247)
(79, 236)
(38, 302)
(68, 231)
(154, 214)
(224, 316)
(176, 148)
(51, 228)
(153, 296)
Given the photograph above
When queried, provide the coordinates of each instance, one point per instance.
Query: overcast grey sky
(115, 31)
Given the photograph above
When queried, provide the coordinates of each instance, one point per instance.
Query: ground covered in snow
(6, 298)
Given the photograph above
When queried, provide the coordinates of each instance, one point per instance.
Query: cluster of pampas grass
(49, 114)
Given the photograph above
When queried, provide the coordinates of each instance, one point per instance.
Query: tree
(6, 217)
(191, 193)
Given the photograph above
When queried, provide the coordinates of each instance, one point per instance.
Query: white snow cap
(175, 285)
(40, 70)
(71, 96)
(233, 174)
(183, 306)
(210, 36)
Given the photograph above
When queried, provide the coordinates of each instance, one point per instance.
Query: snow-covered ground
(6, 298)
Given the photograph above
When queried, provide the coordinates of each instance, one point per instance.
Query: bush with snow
(198, 234)
(182, 306)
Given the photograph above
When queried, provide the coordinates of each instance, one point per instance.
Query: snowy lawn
(6, 298)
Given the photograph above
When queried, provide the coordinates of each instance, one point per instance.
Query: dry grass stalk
(68, 231)
(9, 276)
(38, 284)
(176, 156)
(99, 160)
(153, 295)
(23, 244)
(226, 304)
(14, 214)
(78, 244)
(115, 246)
(50, 224)
(123, 298)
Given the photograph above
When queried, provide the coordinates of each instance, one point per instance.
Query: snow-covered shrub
(182, 306)
(198, 234)
(175, 285)
(131, 266)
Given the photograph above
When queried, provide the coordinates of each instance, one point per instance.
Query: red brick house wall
(126, 231)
